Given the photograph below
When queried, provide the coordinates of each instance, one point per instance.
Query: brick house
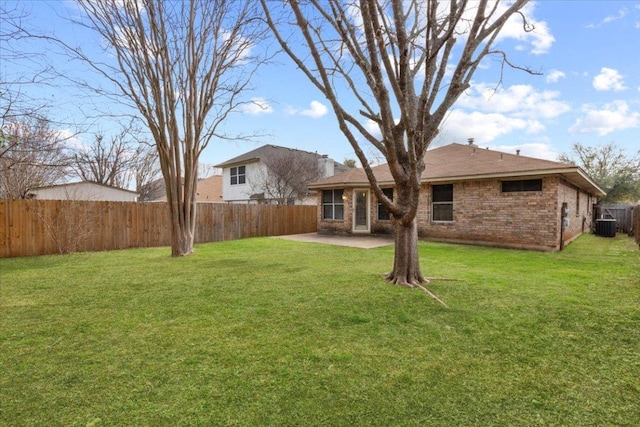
(471, 195)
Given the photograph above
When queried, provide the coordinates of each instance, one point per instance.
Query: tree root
(432, 295)
(417, 283)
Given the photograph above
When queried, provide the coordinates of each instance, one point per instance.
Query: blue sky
(589, 52)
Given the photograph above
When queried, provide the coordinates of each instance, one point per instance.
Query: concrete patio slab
(358, 241)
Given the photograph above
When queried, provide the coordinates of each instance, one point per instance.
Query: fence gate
(622, 213)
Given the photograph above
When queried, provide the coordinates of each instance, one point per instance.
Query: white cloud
(540, 38)
(373, 128)
(241, 46)
(71, 140)
(257, 106)
(613, 117)
(487, 113)
(609, 79)
(484, 127)
(621, 14)
(522, 101)
(555, 75)
(316, 110)
(609, 19)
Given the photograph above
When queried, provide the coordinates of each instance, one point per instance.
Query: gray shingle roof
(272, 150)
(456, 162)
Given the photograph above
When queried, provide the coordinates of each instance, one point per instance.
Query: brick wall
(482, 214)
(337, 226)
(579, 206)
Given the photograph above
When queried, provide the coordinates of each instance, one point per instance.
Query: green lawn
(264, 332)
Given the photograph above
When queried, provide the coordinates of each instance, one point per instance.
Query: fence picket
(635, 212)
(40, 227)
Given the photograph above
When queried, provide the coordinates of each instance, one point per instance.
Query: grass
(264, 332)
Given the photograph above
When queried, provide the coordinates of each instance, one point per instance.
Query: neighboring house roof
(272, 150)
(207, 190)
(81, 190)
(457, 162)
(152, 191)
(84, 184)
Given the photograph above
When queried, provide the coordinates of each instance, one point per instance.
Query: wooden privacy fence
(39, 227)
(636, 222)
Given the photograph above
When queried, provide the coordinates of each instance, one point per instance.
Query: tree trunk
(406, 264)
(182, 229)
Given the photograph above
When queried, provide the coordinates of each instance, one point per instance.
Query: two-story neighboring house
(274, 174)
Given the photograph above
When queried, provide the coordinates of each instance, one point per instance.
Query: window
(442, 202)
(522, 185)
(332, 204)
(383, 213)
(238, 175)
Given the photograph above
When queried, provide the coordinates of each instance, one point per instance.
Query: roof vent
(470, 141)
(517, 152)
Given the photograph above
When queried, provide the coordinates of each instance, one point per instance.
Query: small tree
(611, 168)
(184, 66)
(350, 163)
(286, 176)
(400, 64)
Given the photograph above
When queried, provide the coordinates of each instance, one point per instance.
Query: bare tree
(17, 102)
(107, 161)
(184, 66)
(34, 155)
(11, 33)
(404, 63)
(149, 182)
(286, 176)
(617, 173)
(205, 170)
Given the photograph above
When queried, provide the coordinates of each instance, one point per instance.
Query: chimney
(326, 166)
